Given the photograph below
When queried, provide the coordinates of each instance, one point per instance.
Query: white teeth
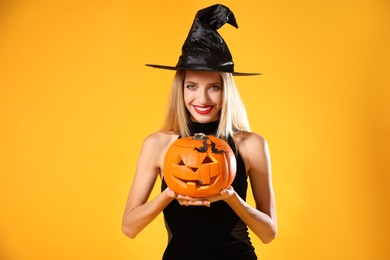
(203, 108)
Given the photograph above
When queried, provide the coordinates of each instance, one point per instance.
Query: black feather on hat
(204, 48)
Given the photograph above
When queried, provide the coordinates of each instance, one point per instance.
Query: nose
(203, 96)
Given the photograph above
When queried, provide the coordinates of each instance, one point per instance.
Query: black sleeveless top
(215, 232)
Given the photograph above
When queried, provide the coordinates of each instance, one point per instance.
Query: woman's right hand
(187, 200)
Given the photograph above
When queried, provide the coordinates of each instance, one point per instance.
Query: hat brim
(201, 69)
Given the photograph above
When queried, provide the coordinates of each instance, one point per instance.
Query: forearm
(138, 217)
(259, 222)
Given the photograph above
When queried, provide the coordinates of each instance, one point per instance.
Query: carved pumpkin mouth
(195, 184)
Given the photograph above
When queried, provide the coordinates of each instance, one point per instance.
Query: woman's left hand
(223, 195)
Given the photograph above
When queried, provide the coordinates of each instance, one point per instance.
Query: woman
(204, 99)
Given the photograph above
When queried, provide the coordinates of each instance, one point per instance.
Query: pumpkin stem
(199, 136)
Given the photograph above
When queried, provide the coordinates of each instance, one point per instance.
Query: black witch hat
(204, 48)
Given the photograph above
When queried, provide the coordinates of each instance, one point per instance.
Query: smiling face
(203, 95)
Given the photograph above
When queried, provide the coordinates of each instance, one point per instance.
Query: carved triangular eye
(207, 159)
(181, 162)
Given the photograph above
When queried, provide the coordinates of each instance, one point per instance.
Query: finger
(182, 197)
(194, 203)
(171, 194)
(199, 203)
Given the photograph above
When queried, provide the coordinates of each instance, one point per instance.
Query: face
(203, 95)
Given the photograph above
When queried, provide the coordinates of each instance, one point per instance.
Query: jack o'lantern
(199, 165)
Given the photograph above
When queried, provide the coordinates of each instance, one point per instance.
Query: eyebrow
(195, 83)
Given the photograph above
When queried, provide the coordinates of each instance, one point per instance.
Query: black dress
(215, 232)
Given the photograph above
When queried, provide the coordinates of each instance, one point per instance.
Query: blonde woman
(204, 98)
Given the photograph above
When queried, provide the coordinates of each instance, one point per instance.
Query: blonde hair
(233, 118)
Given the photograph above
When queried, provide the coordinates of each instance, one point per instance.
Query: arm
(262, 219)
(139, 213)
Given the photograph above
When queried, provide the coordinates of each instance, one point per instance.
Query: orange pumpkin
(199, 165)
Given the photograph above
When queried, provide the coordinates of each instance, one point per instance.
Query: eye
(215, 87)
(190, 86)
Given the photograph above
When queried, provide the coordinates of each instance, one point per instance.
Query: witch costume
(214, 232)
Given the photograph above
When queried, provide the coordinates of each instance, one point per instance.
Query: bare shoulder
(155, 146)
(249, 140)
(160, 139)
(252, 147)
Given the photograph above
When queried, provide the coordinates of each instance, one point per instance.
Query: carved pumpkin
(199, 166)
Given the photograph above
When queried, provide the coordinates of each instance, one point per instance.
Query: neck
(209, 128)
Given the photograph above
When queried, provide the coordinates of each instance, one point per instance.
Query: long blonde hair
(233, 118)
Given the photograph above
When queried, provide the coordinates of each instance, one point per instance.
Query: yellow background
(76, 101)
